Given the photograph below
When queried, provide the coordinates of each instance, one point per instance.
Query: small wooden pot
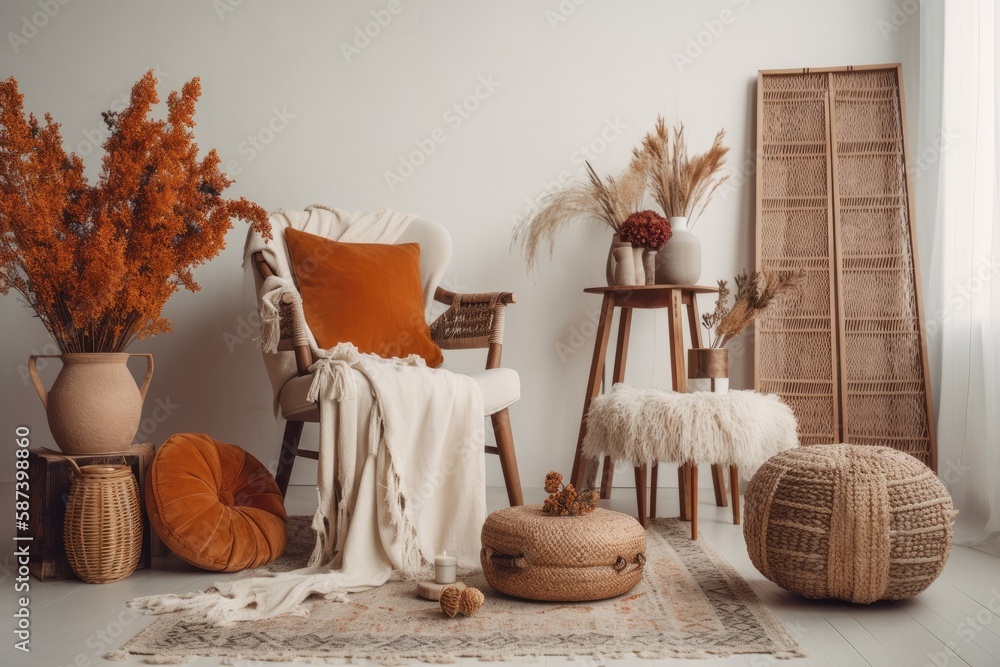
(708, 369)
(103, 528)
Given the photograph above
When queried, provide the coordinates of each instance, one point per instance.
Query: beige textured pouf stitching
(530, 554)
(852, 522)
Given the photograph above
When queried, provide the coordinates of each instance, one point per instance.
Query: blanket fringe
(274, 289)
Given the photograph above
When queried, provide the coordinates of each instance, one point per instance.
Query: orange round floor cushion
(215, 505)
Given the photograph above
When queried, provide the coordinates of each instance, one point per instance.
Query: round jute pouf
(854, 522)
(530, 554)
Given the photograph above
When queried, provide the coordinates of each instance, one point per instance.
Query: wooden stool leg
(694, 500)
(607, 477)
(682, 492)
(640, 493)
(654, 473)
(734, 483)
(719, 484)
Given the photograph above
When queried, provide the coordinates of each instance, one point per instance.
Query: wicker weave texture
(473, 321)
(848, 357)
(103, 528)
(530, 554)
(796, 343)
(851, 522)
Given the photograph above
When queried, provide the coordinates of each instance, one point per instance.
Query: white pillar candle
(445, 568)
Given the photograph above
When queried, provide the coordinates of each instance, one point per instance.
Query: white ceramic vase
(678, 262)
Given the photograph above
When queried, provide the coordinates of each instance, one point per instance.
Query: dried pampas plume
(609, 200)
(681, 184)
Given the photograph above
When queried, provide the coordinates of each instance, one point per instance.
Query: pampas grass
(755, 293)
(681, 184)
(610, 201)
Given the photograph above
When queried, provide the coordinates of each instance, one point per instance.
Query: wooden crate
(50, 473)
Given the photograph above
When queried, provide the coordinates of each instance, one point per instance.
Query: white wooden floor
(953, 623)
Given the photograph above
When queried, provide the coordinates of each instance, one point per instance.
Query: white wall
(566, 73)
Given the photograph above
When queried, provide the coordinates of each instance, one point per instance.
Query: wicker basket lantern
(103, 529)
(854, 522)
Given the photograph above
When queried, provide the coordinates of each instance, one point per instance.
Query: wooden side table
(676, 299)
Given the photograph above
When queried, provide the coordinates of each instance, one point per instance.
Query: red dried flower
(647, 229)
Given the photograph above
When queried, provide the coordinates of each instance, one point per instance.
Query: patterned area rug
(691, 603)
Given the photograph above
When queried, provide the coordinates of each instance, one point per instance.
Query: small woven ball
(470, 601)
(853, 522)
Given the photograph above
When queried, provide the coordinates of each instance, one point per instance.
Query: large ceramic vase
(94, 406)
(678, 262)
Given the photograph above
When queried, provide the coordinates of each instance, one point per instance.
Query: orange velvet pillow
(214, 505)
(367, 294)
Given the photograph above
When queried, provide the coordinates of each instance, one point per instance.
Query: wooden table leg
(617, 375)
(678, 375)
(678, 382)
(694, 327)
(694, 500)
(640, 493)
(594, 382)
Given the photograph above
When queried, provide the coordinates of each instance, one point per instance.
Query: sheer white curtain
(957, 190)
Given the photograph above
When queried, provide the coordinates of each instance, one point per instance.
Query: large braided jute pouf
(530, 554)
(854, 522)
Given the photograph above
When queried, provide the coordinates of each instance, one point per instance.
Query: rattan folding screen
(833, 198)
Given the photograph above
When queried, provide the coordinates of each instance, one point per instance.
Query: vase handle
(37, 381)
(149, 372)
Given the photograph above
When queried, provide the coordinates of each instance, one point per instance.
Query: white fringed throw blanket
(402, 442)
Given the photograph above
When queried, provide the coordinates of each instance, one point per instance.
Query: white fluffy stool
(741, 429)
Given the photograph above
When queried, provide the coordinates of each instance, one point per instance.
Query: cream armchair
(471, 321)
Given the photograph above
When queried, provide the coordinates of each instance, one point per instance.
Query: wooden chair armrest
(447, 297)
(472, 321)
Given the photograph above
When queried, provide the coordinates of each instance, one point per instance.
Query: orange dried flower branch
(97, 263)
